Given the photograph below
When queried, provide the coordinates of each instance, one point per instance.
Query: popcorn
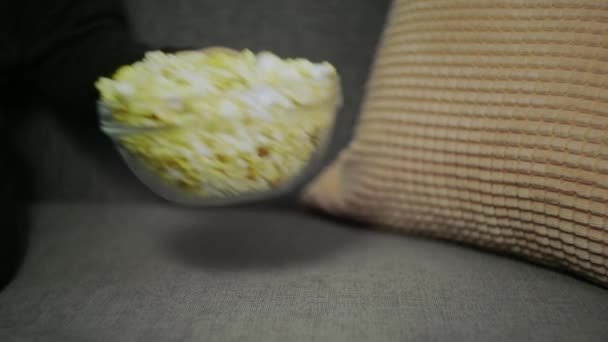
(220, 122)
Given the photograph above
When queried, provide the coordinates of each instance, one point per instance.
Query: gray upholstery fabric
(156, 273)
(74, 164)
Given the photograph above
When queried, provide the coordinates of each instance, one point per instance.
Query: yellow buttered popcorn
(219, 122)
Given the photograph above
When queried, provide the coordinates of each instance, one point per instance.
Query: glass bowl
(169, 160)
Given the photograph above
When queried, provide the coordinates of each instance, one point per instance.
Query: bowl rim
(114, 128)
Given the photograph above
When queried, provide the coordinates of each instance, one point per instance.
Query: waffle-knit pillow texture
(486, 122)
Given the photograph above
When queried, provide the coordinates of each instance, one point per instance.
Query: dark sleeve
(10, 51)
(71, 43)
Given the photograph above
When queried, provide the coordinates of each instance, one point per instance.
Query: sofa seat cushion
(152, 272)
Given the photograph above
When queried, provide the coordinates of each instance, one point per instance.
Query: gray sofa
(108, 261)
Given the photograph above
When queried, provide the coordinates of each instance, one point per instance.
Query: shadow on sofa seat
(254, 239)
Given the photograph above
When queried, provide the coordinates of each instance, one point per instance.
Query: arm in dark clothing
(55, 49)
(58, 48)
(70, 43)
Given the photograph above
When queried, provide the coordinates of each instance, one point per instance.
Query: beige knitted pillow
(486, 121)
